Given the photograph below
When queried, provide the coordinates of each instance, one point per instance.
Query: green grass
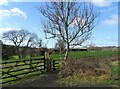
(83, 54)
(115, 72)
(92, 54)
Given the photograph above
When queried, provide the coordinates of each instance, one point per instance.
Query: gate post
(53, 65)
(48, 65)
(44, 65)
(30, 64)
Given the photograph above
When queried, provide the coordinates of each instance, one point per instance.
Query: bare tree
(60, 45)
(72, 21)
(32, 40)
(17, 37)
(40, 43)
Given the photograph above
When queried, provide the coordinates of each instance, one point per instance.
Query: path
(48, 81)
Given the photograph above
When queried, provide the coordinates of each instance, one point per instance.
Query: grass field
(83, 54)
(74, 55)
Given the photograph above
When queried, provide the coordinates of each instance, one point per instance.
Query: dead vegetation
(86, 66)
(87, 71)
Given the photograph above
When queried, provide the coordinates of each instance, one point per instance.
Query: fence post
(44, 65)
(53, 65)
(30, 64)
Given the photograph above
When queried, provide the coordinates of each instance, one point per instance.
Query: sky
(16, 14)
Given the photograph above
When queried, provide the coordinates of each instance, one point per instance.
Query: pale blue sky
(15, 15)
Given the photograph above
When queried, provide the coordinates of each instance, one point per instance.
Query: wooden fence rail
(18, 69)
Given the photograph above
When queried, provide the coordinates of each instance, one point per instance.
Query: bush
(42, 51)
(8, 51)
(85, 71)
(84, 67)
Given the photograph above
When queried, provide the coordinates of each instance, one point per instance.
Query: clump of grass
(86, 71)
(89, 80)
(84, 66)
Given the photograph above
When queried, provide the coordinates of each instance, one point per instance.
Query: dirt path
(48, 81)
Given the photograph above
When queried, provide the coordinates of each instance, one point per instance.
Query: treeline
(8, 51)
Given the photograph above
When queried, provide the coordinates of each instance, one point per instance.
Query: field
(83, 54)
(73, 56)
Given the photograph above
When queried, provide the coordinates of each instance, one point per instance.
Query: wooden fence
(18, 69)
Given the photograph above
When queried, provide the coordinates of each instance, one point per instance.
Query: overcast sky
(15, 15)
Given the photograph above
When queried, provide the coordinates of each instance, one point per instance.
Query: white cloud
(110, 9)
(3, 2)
(111, 39)
(113, 20)
(12, 12)
(5, 29)
(2, 30)
(101, 3)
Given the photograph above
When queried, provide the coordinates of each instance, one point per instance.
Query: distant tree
(40, 43)
(40, 46)
(8, 51)
(17, 37)
(32, 42)
(93, 47)
(60, 45)
(69, 20)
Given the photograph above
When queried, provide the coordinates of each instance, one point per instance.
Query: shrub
(85, 71)
(84, 66)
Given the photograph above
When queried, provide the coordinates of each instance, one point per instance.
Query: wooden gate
(17, 69)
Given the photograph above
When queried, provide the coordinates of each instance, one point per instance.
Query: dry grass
(88, 71)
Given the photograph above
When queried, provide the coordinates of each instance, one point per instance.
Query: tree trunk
(18, 52)
(60, 53)
(66, 54)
